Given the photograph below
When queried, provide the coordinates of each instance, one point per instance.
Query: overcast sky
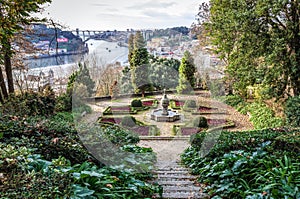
(120, 15)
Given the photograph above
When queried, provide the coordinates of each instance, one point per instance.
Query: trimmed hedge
(200, 122)
(136, 103)
(128, 121)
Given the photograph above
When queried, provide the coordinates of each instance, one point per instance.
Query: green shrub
(217, 88)
(128, 121)
(189, 104)
(233, 100)
(262, 116)
(292, 111)
(30, 103)
(200, 122)
(136, 103)
(63, 103)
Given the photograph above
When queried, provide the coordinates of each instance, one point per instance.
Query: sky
(122, 15)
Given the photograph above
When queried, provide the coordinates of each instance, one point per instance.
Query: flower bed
(177, 104)
(114, 120)
(208, 110)
(216, 122)
(141, 130)
(189, 130)
(205, 109)
(119, 110)
(150, 103)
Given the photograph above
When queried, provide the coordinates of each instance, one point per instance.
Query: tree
(187, 72)
(139, 65)
(14, 14)
(81, 77)
(140, 70)
(130, 46)
(139, 41)
(126, 83)
(164, 72)
(260, 39)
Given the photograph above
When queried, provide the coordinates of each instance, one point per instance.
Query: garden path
(174, 178)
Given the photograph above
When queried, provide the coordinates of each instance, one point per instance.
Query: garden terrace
(139, 128)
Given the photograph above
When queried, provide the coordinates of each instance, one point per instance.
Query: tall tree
(139, 41)
(14, 14)
(187, 70)
(260, 39)
(139, 64)
(130, 46)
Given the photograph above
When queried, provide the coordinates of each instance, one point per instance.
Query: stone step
(168, 189)
(179, 172)
(194, 195)
(175, 183)
(176, 177)
(162, 138)
(175, 170)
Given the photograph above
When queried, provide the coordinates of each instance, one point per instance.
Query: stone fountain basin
(171, 117)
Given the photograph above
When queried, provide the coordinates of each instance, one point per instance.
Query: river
(102, 52)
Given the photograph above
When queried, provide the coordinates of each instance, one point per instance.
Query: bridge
(93, 34)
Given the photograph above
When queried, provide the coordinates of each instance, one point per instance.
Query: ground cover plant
(41, 156)
(253, 164)
(261, 115)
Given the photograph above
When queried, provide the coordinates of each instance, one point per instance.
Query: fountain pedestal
(165, 114)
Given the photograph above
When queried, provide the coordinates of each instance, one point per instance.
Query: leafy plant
(252, 164)
(292, 111)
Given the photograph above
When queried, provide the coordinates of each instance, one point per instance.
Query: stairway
(177, 182)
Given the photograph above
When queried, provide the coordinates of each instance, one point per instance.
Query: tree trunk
(8, 69)
(2, 86)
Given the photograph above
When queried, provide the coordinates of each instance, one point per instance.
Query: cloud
(152, 5)
(156, 14)
(99, 4)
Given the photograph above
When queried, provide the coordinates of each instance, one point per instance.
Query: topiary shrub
(292, 111)
(188, 104)
(200, 122)
(128, 121)
(136, 103)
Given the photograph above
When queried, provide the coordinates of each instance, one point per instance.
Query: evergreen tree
(130, 46)
(139, 41)
(126, 83)
(164, 72)
(81, 76)
(139, 65)
(187, 72)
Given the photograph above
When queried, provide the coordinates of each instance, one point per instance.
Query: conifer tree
(187, 72)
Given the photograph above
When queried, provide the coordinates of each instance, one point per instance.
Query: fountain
(164, 114)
